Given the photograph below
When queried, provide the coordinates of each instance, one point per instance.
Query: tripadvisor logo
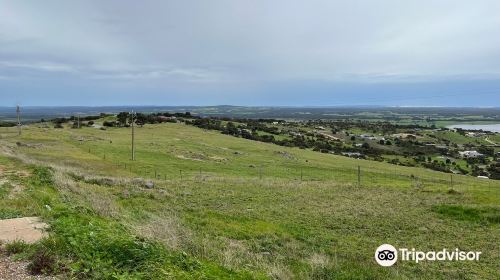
(387, 255)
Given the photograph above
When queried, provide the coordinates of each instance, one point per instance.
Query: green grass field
(225, 207)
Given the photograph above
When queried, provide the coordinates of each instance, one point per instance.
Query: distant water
(485, 127)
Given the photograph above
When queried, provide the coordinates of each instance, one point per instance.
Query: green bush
(42, 176)
(16, 247)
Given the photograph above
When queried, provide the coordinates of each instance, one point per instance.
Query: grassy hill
(225, 207)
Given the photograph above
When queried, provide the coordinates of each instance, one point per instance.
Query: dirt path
(489, 141)
(27, 229)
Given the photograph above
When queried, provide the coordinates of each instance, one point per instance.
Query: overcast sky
(269, 52)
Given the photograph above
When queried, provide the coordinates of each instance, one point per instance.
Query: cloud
(39, 66)
(191, 75)
(248, 44)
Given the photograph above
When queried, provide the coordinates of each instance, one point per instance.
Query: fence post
(359, 176)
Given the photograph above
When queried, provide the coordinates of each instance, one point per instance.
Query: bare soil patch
(27, 229)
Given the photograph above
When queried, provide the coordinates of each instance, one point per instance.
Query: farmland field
(226, 207)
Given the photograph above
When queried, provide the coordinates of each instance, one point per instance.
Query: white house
(470, 154)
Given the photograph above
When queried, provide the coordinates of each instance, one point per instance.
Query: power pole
(133, 137)
(18, 111)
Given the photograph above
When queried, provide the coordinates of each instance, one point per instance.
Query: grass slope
(227, 222)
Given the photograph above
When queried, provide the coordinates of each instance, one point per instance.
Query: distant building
(404, 135)
(354, 155)
(165, 119)
(470, 154)
(475, 134)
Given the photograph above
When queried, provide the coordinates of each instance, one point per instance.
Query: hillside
(226, 207)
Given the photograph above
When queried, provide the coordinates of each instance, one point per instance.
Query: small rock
(149, 184)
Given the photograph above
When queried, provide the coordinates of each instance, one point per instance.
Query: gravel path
(14, 270)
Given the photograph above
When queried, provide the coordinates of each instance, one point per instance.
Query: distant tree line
(7, 124)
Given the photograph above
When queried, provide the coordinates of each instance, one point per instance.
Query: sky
(259, 52)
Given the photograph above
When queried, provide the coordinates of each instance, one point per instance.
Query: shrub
(42, 176)
(43, 261)
(16, 247)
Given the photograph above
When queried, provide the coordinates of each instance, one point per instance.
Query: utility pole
(133, 137)
(18, 111)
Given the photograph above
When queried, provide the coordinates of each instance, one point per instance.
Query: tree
(489, 151)
(140, 119)
(122, 118)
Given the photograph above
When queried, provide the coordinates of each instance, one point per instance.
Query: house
(404, 135)
(331, 137)
(475, 134)
(470, 154)
(354, 155)
(165, 119)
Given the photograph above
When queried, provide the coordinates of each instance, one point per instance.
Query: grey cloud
(250, 44)
(264, 39)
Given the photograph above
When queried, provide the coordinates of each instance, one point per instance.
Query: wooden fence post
(359, 176)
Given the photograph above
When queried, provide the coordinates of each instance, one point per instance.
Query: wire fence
(362, 175)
